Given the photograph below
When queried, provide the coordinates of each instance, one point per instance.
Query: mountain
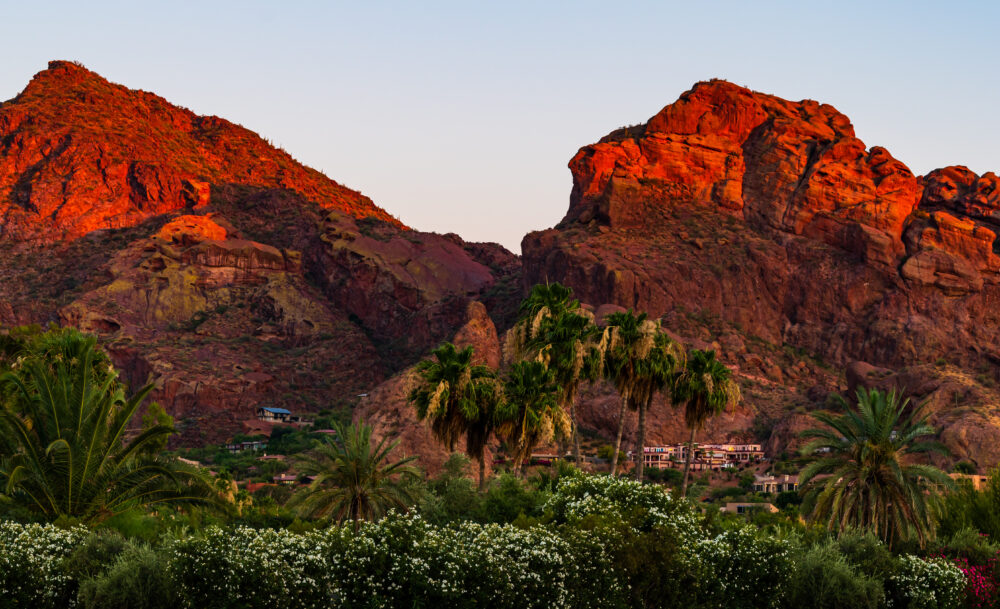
(767, 230)
(213, 264)
(217, 267)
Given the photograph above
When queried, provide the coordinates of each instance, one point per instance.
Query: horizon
(462, 119)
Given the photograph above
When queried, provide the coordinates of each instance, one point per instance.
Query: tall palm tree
(862, 475)
(555, 330)
(354, 479)
(64, 449)
(458, 398)
(657, 373)
(629, 339)
(565, 344)
(706, 388)
(529, 413)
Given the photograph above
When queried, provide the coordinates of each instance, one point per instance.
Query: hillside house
(706, 456)
(273, 415)
(251, 445)
(775, 484)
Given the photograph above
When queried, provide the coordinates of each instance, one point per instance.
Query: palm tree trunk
(687, 464)
(482, 473)
(576, 435)
(618, 438)
(640, 443)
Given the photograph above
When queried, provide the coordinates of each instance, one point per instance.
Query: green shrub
(138, 578)
(824, 579)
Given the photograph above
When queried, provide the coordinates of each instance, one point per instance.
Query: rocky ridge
(771, 224)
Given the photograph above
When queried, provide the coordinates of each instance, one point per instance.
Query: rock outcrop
(770, 220)
(79, 154)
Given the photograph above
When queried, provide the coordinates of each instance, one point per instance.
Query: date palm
(705, 387)
(457, 397)
(863, 475)
(529, 413)
(355, 479)
(65, 449)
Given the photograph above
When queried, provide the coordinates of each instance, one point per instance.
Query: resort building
(706, 456)
(775, 484)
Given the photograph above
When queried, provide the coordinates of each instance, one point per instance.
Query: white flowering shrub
(401, 561)
(31, 558)
(745, 570)
(934, 583)
(645, 505)
(252, 568)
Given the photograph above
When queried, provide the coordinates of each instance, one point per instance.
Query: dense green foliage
(593, 541)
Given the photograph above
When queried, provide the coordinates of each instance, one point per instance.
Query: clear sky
(461, 116)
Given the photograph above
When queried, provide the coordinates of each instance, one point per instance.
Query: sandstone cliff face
(771, 220)
(210, 263)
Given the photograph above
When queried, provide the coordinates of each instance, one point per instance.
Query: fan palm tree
(629, 340)
(458, 398)
(565, 345)
(706, 388)
(862, 475)
(529, 413)
(656, 373)
(354, 479)
(64, 449)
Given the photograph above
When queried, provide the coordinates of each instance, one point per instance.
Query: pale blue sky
(461, 116)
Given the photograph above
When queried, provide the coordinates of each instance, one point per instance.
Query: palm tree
(629, 340)
(529, 413)
(656, 373)
(706, 388)
(64, 449)
(458, 399)
(354, 479)
(565, 345)
(862, 475)
(555, 330)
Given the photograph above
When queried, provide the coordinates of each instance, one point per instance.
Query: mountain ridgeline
(218, 267)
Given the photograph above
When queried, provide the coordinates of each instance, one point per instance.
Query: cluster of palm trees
(555, 346)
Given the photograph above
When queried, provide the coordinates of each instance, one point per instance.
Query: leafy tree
(458, 397)
(706, 388)
(64, 446)
(862, 474)
(355, 478)
(529, 413)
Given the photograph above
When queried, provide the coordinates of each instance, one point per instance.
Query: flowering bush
(31, 557)
(747, 570)
(980, 583)
(645, 505)
(933, 583)
(401, 561)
